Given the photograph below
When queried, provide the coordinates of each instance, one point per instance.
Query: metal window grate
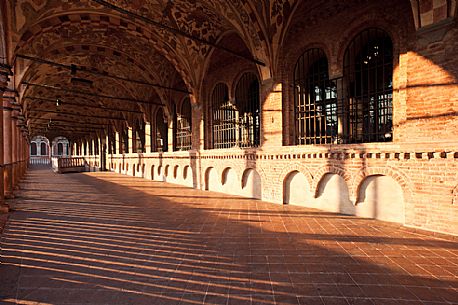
(368, 73)
(247, 103)
(112, 142)
(316, 100)
(124, 147)
(224, 118)
(140, 134)
(96, 148)
(161, 132)
(184, 127)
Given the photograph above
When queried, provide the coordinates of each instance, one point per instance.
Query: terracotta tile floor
(102, 238)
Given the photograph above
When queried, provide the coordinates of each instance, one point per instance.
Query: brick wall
(427, 175)
(422, 160)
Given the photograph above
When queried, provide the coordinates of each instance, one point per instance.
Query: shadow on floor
(108, 239)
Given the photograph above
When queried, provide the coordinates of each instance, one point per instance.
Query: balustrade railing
(71, 164)
(42, 160)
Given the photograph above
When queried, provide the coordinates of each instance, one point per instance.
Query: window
(161, 131)
(183, 130)
(60, 149)
(43, 149)
(140, 137)
(124, 147)
(96, 147)
(368, 74)
(316, 102)
(33, 149)
(248, 111)
(111, 142)
(224, 118)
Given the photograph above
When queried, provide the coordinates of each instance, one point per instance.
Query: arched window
(140, 137)
(224, 118)
(111, 141)
(368, 74)
(124, 147)
(248, 111)
(161, 131)
(96, 147)
(315, 100)
(43, 149)
(33, 149)
(60, 149)
(183, 130)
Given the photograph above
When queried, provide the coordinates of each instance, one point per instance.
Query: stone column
(148, 131)
(118, 143)
(197, 127)
(19, 152)
(108, 156)
(15, 148)
(134, 140)
(22, 158)
(197, 143)
(8, 147)
(131, 139)
(171, 134)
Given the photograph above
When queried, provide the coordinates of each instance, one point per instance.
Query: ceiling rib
(91, 94)
(67, 121)
(76, 114)
(68, 127)
(64, 102)
(75, 68)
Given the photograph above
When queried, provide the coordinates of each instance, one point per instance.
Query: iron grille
(224, 118)
(161, 141)
(112, 142)
(184, 127)
(316, 100)
(124, 147)
(96, 148)
(248, 111)
(140, 137)
(368, 73)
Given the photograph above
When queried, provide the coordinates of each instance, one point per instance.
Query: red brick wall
(423, 157)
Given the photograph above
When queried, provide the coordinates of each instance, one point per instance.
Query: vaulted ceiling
(111, 62)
